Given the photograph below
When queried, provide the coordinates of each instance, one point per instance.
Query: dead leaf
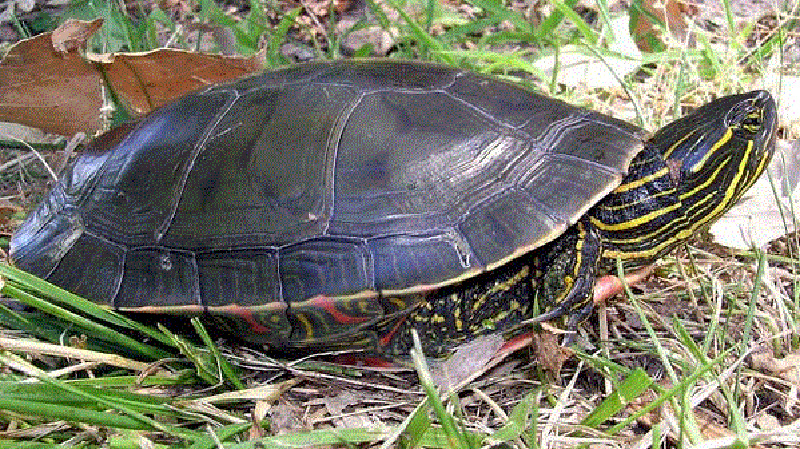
(286, 418)
(23, 5)
(767, 422)
(7, 209)
(146, 443)
(672, 12)
(550, 354)
(338, 403)
(57, 92)
(267, 392)
(787, 368)
(62, 92)
(667, 418)
(336, 406)
(258, 414)
(343, 5)
(355, 37)
(73, 34)
(35, 432)
(145, 81)
(468, 359)
(175, 5)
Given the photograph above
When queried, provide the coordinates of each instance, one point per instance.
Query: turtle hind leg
(566, 272)
(491, 302)
(560, 276)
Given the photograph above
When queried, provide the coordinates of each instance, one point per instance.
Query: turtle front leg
(566, 275)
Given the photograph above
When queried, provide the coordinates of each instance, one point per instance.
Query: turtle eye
(752, 121)
(746, 120)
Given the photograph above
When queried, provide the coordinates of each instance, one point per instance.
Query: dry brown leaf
(259, 412)
(57, 92)
(338, 403)
(175, 5)
(787, 368)
(61, 93)
(286, 418)
(671, 11)
(470, 358)
(709, 427)
(550, 354)
(268, 392)
(73, 34)
(767, 422)
(34, 347)
(380, 39)
(7, 208)
(145, 81)
(35, 432)
(336, 406)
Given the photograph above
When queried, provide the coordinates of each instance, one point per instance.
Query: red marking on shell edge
(383, 341)
(247, 315)
(328, 305)
(516, 343)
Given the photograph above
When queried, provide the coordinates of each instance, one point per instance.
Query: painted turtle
(340, 204)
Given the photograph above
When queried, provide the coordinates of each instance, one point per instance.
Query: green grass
(76, 373)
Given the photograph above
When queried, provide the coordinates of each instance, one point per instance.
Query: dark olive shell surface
(324, 181)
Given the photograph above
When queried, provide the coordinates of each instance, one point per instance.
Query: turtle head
(716, 153)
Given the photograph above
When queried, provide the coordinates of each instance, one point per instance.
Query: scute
(322, 185)
(262, 177)
(401, 174)
(321, 266)
(107, 262)
(131, 198)
(401, 261)
(169, 275)
(238, 276)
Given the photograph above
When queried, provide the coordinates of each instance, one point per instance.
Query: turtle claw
(553, 314)
(575, 318)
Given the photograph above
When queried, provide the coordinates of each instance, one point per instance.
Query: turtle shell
(309, 201)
